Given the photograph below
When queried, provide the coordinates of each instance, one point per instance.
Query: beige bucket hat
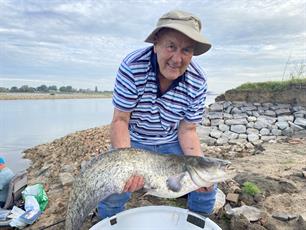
(185, 23)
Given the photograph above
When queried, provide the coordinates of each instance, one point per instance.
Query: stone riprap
(240, 123)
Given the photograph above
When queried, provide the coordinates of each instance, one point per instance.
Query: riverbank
(34, 96)
(281, 181)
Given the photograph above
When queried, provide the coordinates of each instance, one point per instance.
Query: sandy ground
(282, 162)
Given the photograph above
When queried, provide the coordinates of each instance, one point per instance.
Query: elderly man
(159, 98)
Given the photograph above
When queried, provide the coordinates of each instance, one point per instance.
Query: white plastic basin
(156, 218)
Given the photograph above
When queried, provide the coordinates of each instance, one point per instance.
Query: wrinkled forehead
(174, 36)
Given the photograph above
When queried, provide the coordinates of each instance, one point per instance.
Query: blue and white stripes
(155, 119)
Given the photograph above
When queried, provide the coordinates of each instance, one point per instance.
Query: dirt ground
(277, 169)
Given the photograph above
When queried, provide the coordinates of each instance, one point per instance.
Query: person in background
(6, 175)
(159, 98)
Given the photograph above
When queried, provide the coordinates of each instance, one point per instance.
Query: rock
(215, 133)
(215, 115)
(301, 122)
(222, 141)
(276, 132)
(216, 122)
(295, 127)
(216, 107)
(260, 125)
(251, 119)
(282, 125)
(208, 140)
(223, 127)
(284, 111)
(285, 118)
(240, 116)
(270, 113)
(249, 212)
(264, 131)
(252, 137)
(284, 216)
(235, 110)
(301, 223)
(241, 121)
(238, 128)
(237, 141)
(233, 197)
(67, 168)
(267, 138)
(205, 122)
(239, 223)
(66, 178)
(288, 132)
(288, 186)
(230, 135)
(203, 131)
(252, 131)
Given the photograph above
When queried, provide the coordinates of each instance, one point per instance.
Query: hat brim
(202, 44)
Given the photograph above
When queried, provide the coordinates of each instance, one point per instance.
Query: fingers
(133, 184)
(204, 189)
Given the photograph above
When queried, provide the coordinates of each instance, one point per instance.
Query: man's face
(174, 52)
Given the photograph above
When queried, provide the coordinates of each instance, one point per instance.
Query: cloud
(83, 42)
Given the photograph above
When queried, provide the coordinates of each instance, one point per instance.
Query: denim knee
(202, 201)
(113, 204)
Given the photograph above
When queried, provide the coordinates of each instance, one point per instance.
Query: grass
(250, 188)
(273, 85)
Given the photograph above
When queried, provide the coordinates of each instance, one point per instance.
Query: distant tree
(96, 89)
(62, 89)
(4, 90)
(69, 89)
(42, 88)
(14, 89)
(52, 88)
(31, 89)
(24, 88)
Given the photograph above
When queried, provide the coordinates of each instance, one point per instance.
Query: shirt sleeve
(195, 110)
(125, 91)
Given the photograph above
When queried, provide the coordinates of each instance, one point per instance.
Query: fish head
(205, 171)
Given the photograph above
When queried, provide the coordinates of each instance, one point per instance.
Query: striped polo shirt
(154, 116)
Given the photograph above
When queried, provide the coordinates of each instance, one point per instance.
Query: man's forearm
(190, 142)
(120, 137)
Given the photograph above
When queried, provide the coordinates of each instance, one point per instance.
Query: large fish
(167, 176)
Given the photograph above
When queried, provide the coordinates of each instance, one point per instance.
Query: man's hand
(134, 183)
(204, 189)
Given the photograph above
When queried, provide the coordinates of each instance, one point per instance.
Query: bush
(250, 188)
(272, 85)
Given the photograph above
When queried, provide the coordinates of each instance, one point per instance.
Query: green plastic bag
(37, 190)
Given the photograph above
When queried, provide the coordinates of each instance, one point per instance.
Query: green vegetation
(250, 188)
(274, 85)
(51, 89)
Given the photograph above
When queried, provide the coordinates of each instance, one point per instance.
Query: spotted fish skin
(165, 175)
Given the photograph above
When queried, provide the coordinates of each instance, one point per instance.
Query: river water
(27, 123)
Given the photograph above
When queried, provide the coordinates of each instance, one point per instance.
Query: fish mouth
(203, 177)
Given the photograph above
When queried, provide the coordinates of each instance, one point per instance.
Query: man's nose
(177, 57)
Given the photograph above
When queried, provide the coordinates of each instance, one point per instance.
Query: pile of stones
(228, 122)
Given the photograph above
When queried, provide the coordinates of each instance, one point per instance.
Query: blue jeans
(202, 202)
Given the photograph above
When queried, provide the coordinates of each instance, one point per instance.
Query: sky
(82, 43)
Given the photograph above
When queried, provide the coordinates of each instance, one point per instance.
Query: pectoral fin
(174, 182)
